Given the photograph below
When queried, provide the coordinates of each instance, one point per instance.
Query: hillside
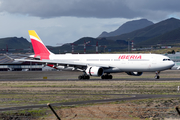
(149, 32)
(127, 27)
(91, 47)
(169, 38)
(13, 43)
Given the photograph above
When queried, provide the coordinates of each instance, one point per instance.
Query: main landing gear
(84, 77)
(157, 75)
(87, 77)
(107, 76)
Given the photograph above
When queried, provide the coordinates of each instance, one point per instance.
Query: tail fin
(40, 49)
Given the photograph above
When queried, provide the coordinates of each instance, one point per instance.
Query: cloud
(57, 8)
(91, 8)
(55, 30)
(63, 21)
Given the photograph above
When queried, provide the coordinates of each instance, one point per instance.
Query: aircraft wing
(63, 63)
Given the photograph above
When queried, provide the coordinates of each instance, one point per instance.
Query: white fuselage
(119, 62)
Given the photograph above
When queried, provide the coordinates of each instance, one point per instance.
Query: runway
(119, 79)
(73, 76)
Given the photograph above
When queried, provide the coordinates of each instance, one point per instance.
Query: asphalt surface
(119, 79)
(133, 97)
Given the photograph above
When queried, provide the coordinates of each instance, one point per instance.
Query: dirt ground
(128, 111)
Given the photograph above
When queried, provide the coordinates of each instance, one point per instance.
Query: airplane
(100, 65)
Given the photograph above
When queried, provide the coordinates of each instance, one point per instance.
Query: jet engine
(94, 71)
(135, 73)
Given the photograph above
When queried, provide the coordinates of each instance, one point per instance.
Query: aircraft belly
(112, 70)
(134, 66)
(160, 67)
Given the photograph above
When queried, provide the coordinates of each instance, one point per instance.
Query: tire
(157, 77)
(102, 77)
(87, 77)
(80, 77)
(110, 76)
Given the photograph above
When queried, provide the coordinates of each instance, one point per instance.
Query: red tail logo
(40, 49)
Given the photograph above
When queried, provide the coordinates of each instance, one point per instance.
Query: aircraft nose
(172, 64)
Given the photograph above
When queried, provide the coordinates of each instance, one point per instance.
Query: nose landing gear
(157, 75)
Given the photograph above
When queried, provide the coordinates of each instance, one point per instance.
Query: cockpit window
(166, 59)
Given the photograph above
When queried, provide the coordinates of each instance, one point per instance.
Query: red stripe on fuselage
(40, 49)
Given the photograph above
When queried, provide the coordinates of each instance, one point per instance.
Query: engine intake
(94, 71)
(135, 73)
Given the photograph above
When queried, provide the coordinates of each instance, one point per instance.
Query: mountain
(149, 32)
(168, 38)
(111, 45)
(128, 27)
(165, 32)
(103, 43)
(14, 43)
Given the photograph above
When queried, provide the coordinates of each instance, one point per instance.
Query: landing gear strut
(107, 76)
(157, 75)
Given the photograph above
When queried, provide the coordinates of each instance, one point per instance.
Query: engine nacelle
(94, 71)
(135, 73)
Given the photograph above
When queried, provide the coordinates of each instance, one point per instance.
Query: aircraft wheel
(106, 77)
(86, 77)
(110, 76)
(157, 77)
(80, 77)
(83, 77)
(102, 77)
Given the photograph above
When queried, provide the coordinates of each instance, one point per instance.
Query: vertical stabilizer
(40, 49)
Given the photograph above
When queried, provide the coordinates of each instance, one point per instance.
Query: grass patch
(24, 114)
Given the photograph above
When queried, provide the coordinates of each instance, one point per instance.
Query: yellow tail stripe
(33, 33)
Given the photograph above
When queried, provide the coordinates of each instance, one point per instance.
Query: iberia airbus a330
(99, 64)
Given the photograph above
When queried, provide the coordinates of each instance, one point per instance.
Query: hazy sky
(64, 21)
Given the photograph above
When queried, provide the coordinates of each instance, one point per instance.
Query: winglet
(40, 49)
